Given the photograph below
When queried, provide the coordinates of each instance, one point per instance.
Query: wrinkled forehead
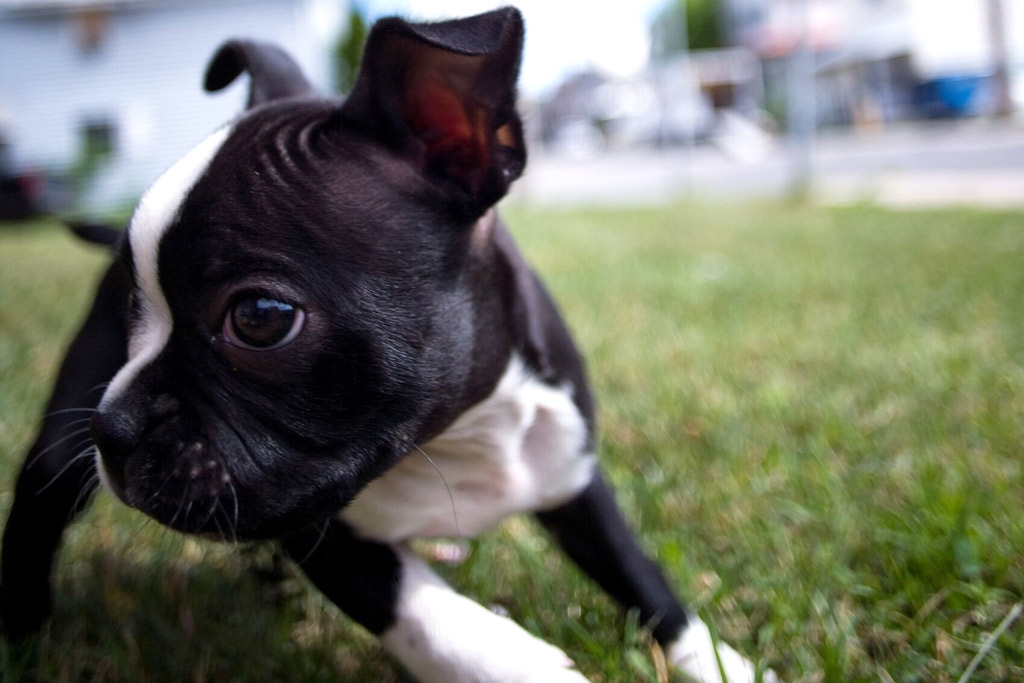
(161, 204)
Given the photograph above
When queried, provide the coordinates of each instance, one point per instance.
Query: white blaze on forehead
(156, 212)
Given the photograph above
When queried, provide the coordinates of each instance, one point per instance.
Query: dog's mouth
(197, 495)
(190, 488)
(210, 504)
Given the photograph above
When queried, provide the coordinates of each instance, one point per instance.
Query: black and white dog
(315, 312)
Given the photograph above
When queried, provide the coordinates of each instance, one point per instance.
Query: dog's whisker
(65, 411)
(211, 514)
(102, 386)
(88, 447)
(455, 515)
(75, 423)
(230, 535)
(234, 501)
(320, 539)
(55, 444)
(88, 485)
(232, 525)
(181, 505)
(158, 491)
(212, 517)
(188, 508)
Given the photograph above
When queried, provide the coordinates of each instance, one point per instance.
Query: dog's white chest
(521, 448)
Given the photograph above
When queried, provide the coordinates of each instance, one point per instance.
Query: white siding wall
(146, 79)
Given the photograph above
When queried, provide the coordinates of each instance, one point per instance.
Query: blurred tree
(687, 24)
(348, 51)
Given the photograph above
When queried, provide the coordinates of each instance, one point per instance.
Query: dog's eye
(262, 323)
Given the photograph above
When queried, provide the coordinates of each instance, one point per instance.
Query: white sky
(562, 36)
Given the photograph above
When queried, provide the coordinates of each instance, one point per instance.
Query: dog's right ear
(443, 95)
(273, 74)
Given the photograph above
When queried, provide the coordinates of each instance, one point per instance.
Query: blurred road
(924, 164)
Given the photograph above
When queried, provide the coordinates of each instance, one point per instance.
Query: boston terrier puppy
(311, 316)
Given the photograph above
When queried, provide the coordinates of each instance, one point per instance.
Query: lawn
(815, 418)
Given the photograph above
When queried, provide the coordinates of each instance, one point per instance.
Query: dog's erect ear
(273, 74)
(444, 94)
(96, 233)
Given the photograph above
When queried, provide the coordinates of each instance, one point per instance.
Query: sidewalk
(922, 188)
(911, 165)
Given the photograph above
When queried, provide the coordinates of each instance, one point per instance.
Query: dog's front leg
(59, 471)
(437, 634)
(594, 534)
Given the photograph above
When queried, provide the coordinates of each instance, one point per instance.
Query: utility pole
(802, 103)
(1000, 71)
(689, 133)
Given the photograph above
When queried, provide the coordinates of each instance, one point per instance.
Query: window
(99, 138)
(92, 28)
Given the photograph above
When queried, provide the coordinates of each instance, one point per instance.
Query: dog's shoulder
(525, 447)
(542, 337)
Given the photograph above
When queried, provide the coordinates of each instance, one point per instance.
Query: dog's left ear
(97, 233)
(273, 74)
(444, 95)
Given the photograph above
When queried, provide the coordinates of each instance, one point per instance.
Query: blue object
(953, 96)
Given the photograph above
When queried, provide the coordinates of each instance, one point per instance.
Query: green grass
(814, 416)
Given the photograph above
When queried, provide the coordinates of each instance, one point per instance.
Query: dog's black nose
(116, 434)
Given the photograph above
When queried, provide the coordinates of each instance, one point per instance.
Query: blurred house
(106, 95)
(884, 60)
(871, 61)
(674, 101)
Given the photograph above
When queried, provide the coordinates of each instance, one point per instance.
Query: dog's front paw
(697, 656)
(443, 637)
(490, 649)
(534, 660)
